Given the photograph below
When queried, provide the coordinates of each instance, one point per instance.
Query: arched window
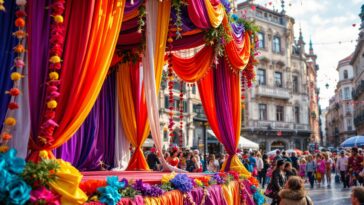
(261, 40)
(345, 74)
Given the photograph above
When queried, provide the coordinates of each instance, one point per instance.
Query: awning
(244, 143)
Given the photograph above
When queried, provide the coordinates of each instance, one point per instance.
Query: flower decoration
(253, 181)
(44, 196)
(198, 182)
(182, 182)
(109, 195)
(2, 7)
(168, 177)
(217, 178)
(235, 175)
(13, 164)
(205, 180)
(113, 181)
(17, 191)
(91, 186)
(257, 195)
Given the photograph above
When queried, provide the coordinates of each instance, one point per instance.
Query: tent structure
(245, 143)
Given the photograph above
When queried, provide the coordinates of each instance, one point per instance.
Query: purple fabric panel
(130, 7)
(238, 30)
(187, 23)
(189, 41)
(38, 45)
(95, 140)
(224, 106)
(198, 14)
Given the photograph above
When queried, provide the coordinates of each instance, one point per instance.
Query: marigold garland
(15, 76)
(55, 66)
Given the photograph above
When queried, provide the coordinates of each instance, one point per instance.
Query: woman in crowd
(174, 160)
(263, 172)
(196, 164)
(302, 168)
(213, 164)
(289, 170)
(320, 169)
(294, 193)
(182, 161)
(310, 170)
(277, 182)
(328, 165)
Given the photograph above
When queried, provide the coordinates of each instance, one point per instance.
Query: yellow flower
(43, 154)
(4, 148)
(52, 104)
(58, 19)
(54, 76)
(55, 59)
(16, 76)
(94, 198)
(168, 177)
(10, 121)
(198, 182)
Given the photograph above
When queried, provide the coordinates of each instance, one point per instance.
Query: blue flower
(234, 17)
(109, 195)
(14, 164)
(182, 182)
(18, 191)
(113, 181)
(257, 196)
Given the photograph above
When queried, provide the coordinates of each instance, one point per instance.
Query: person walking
(260, 164)
(320, 169)
(342, 167)
(355, 166)
(294, 160)
(302, 168)
(289, 170)
(294, 193)
(277, 182)
(328, 164)
(263, 172)
(310, 170)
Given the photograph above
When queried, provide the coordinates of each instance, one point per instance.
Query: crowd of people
(282, 175)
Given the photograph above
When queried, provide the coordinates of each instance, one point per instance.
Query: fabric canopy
(244, 143)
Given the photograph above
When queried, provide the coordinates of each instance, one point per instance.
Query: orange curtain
(85, 66)
(133, 111)
(194, 68)
(238, 53)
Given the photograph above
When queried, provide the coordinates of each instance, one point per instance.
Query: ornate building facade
(278, 112)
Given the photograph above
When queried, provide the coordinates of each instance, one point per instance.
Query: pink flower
(44, 195)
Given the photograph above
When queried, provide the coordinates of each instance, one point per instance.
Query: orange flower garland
(55, 65)
(15, 76)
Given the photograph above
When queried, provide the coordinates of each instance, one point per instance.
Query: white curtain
(122, 152)
(149, 80)
(21, 130)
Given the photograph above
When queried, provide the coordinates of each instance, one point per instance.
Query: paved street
(335, 195)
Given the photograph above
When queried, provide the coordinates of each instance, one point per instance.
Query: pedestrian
(152, 159)
(277, 182)
(355, 166)
(302, 168)
(197, 166)
(174, 160)
(294, 160)
(289, 170)
(328, 164)
(310, 170)
(357, 196)
(285, 157)
(263, 172)
(213, 164)
(294, 193)
(342, 167)
(278, 155)
(320, 169)
(182, 161)
(260, 164)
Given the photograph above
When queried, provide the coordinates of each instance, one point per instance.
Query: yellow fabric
(231, 193)
(237, 166)
(108, 17)
(170, 198)
(215, 13)
(67, 184)
(164, 10)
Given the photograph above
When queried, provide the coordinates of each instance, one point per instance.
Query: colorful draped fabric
(220, 96)
(92, 147)
(133, 111)
(86, 61)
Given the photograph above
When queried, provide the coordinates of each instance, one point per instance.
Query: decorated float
(79, 84)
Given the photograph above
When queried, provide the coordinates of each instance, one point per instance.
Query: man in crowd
(285, 157)
(355, 165)
(342, 166)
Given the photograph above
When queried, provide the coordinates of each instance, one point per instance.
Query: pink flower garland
(15, 76)
(55, 65)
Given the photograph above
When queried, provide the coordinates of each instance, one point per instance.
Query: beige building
(277, 114)
(357, 61)
(340, 113)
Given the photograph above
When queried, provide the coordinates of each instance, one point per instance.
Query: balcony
(358, 90)
(274, 125)
(281, 93)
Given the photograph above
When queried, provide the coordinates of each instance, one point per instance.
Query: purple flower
(182, 182)
(216, 177)
(147, 189)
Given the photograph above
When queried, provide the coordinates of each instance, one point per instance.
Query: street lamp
(200, 117)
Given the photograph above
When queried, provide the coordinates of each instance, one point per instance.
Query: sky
(327, 22)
